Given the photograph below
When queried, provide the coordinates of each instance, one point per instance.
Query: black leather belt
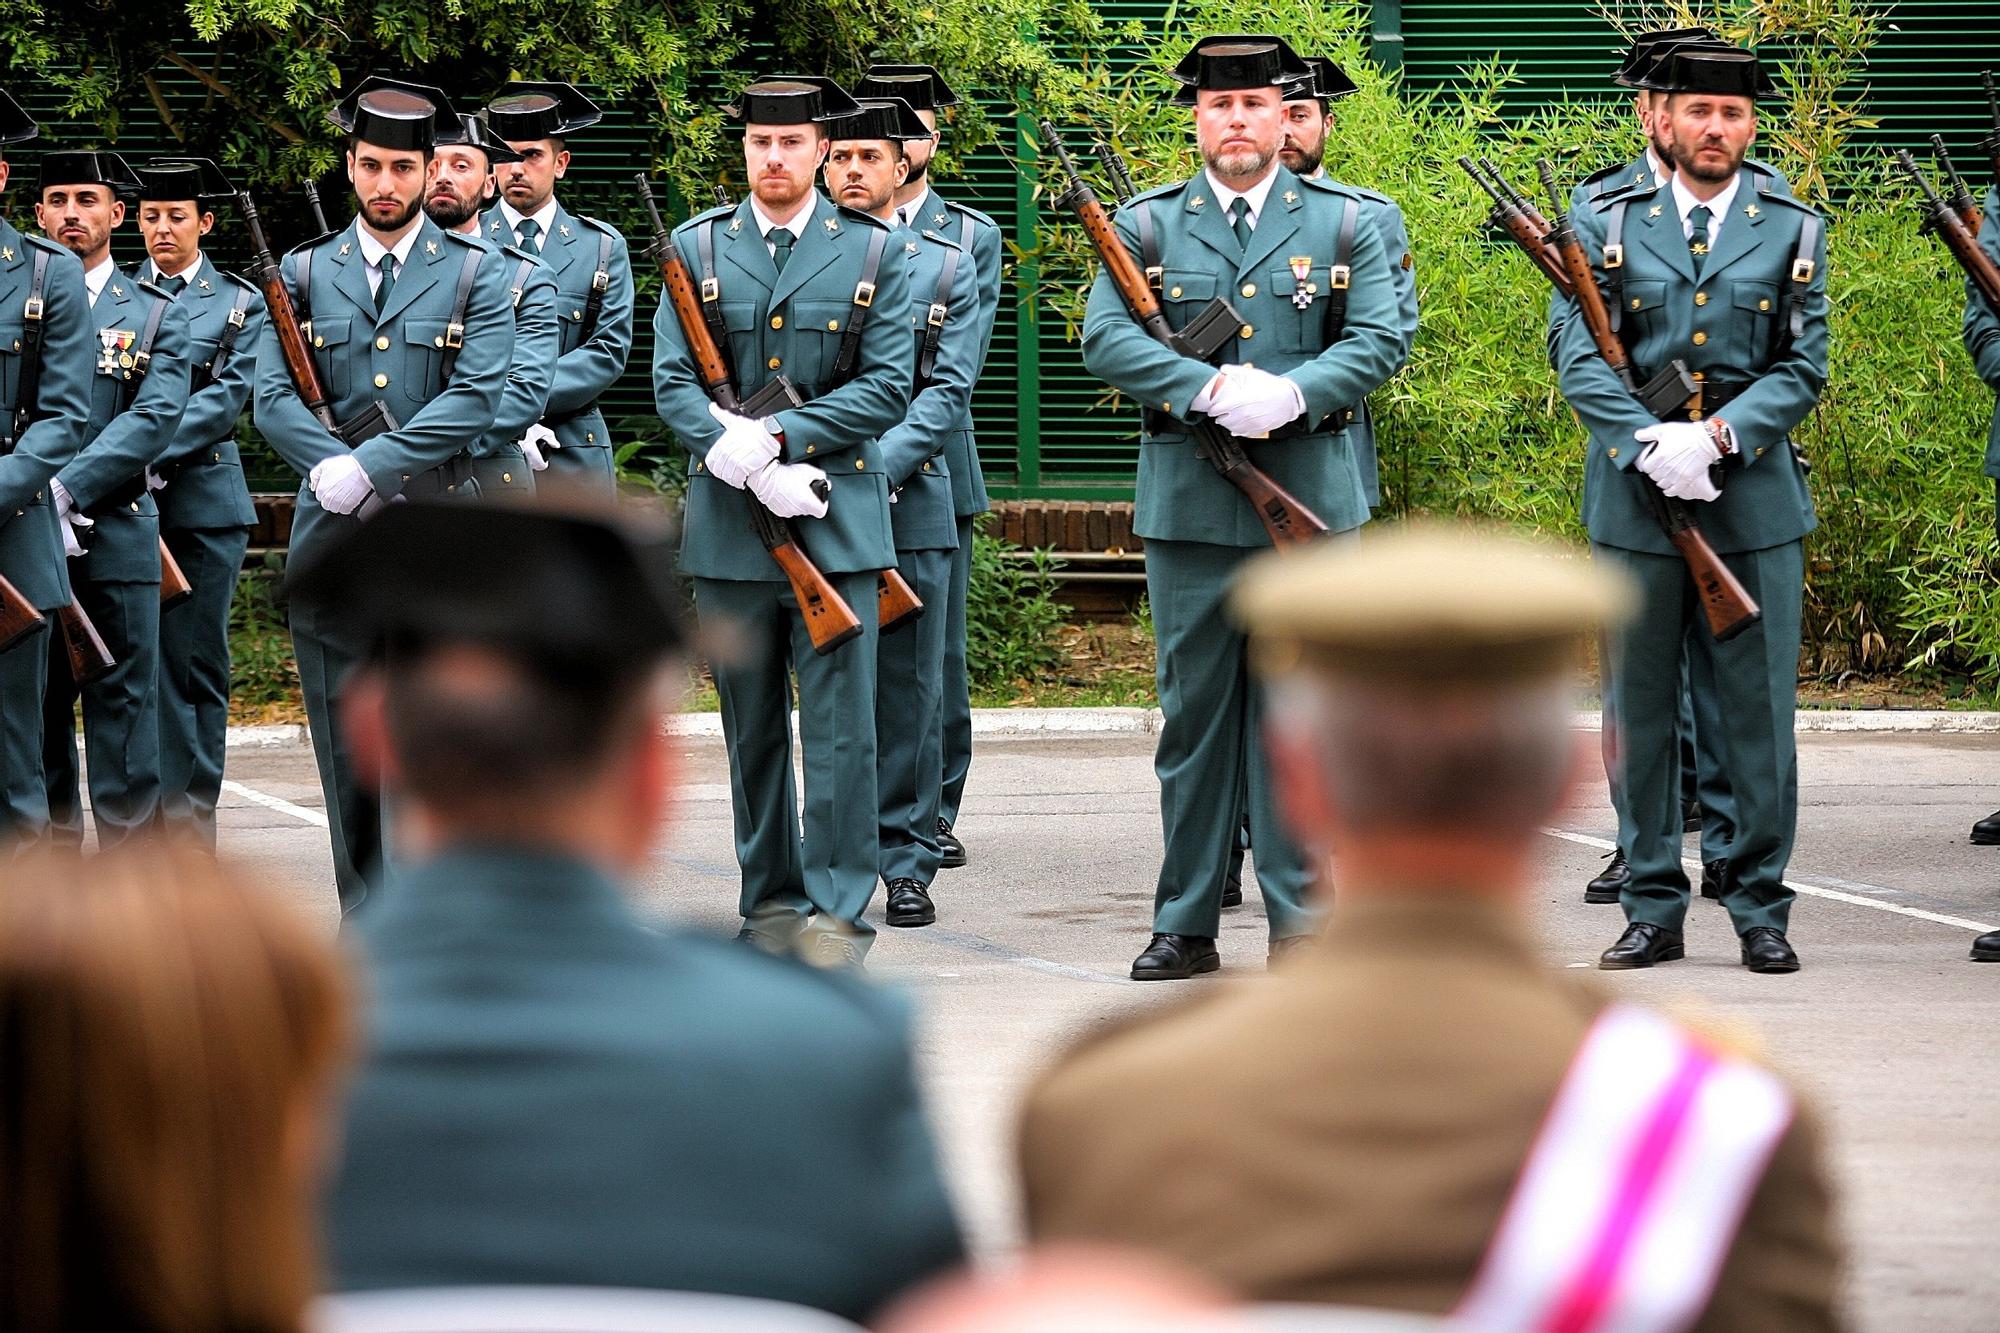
(1713, 396)
(119, 497)
(1160, 423)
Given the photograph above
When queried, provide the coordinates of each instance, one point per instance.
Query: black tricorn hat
(16, 125)
(919, 85)
(164, 179)
(1649, 44)
(472, 132)
(525, 110)
(1254, 60)
(1707, 67)
(394, 113)
(88, 167)
(791, 99)
(879, 118)
(1327, 82)
(589, 594)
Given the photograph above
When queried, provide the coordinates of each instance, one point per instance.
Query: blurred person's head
(1097, 1287)
(169, 1037)
(520, 702)
(1420, 700)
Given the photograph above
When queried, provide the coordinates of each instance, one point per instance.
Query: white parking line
(1810, 890)
(317, 818)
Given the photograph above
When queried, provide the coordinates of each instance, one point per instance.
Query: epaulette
(1330, 185)
(240, 281)
(1159, 191)
(315, 243)
(599, 224)
(53, 247)
(1617, 180)
(158, 293)
(1359, 191)
(478, 242)
(856, 215)
(969, 211)
(1792, 200)
(1600, 202)
(1769, 178)
(516, 252)
(945, 241)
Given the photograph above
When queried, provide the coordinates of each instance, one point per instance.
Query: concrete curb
(1057, 722)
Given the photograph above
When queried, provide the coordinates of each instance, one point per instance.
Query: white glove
(73, 526)
(787, 489)
(1678, 455)
(1255, 402)
(154, 481)
(745, 447)
(65, 506)
(537, 445)
(340, 484)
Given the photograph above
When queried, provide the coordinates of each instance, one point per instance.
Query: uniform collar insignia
(7, 254)
(833, 224)
(116, 290)
(1196, 202)
(1291, 196)
(345, 250)
(939, 218)
(430, 247)
(495, 228)
(201, 283)
(1656, 211)
(563, 227)
(910, 246)
(1751, 211)
(736, 224)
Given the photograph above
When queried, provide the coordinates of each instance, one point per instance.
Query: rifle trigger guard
(1614, 256)
(1338, 281)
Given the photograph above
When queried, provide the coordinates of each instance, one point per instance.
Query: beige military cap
(1428, 603)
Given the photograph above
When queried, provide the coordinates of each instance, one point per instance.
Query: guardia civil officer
(801, 287)
(865, 160)
(137, 397)
(1982, 341)
(205, 509)
(920, 207)
(593, 270)
(1248, 229)
(44, 407)
(1730, 281)
(412, 332)
(506, 461)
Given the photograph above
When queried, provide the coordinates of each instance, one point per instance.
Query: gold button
(1249, 289)
(1701, 298)
(1760, 453)
(381, 344)
(215, 458)
(1764, 305)
(507, 476)
(812, 448)
(1166, 407)
(453, 489)
(406, 476)
(590, 437)
(381, 381)
(135, 506)
(318, 341)
(1612, 452)
(1175, 292)
(927, 467)
(1700, 339)
(1635, 303)
(576, 314)
(833, 326)
(1312, 289)
(777, 321)
(438, 341)
(1246, 332)
(858, 466)
(774, 363)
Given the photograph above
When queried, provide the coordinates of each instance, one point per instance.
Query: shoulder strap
(142, 351)
(31, 347)
(1632, 1194)
(711, 284)
(1149, 242)
(1341, 274)
(521, 273)
(600, 282)
(1794, 322)
(454, 332)
(940, 310)
(1614, 263)
(864, 297)
(302, 294)
(225, 346)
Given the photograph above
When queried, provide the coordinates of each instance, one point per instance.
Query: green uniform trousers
(121, 719)
(1210, 759)
(326, 650)
(957, 684)
(194, 677)
(24, 792)
(909, 723)
(1754, 681)
(830, 869)
(1702, 780)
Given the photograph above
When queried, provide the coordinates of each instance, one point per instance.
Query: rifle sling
(940, 308)
(454, 332)
(600, 282)
(847, 361)
(1614, 264)
(1149, 243)
(142, 351)
(711, 286)
(225, 346)
(1794, 322)
(31, 352)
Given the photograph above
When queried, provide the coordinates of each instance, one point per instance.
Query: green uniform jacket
(914, 450)
(1180, 497)
(554, 1091)
(31, 551)
(205, 485)
(1982, 328)
(395, 357)
(937, 214)
(1724, 327)
(531, 289)
(587, 366)
(1388, 219)
(129, 430)
(793, 325)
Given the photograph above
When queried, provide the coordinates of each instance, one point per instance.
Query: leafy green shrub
(1011, 614)
(263, 672)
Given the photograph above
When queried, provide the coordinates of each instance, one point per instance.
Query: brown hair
(165, 1031)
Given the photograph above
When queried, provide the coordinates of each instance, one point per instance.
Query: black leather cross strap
(225, 346)
(29, 389)
(1341, 274)
(848, 359)
(1794, 322)
(454, 332)
(940, 308)
(1149, 243)
(1614, 264)
(711, 284)
(521, 272)
(142, 351)
(600, 282)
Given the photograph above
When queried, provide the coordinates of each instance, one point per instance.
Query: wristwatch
(770, 424)
(1722, 435)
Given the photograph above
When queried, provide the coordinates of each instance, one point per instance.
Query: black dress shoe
(1607, 886)
(1643, 945)
(953, 849)
(1714, 877)
(1175, 958)
(1986, 833)
(1232, 887)
(1690, 819)
(1765, 950)
(910, 903)
(1986, 949)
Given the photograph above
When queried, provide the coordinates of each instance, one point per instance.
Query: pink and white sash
(1633, 1192)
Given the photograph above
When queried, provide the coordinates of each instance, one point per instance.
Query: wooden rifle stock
(88, 657)
(830, 621)
(1531, 238)
(1725, 602)
(174, 585)
(1941, 218)
(284, 317)
(18, 616)
(1962, 202)
(1285, 517)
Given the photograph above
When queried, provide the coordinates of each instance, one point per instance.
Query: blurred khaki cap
(1428, 603)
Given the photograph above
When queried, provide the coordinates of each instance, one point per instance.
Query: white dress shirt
(1718, 207)
(156, 274)
(1225, 198)
(94, 280)
(544, 218)
(372, 251)
(797, 226)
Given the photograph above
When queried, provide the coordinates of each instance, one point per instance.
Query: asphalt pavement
(1888, 1026)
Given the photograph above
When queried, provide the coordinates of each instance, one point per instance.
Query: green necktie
(1239, 220)
(388, 281)
(781, 247)
(529, 230)
(1698, 217)
(173, 286)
